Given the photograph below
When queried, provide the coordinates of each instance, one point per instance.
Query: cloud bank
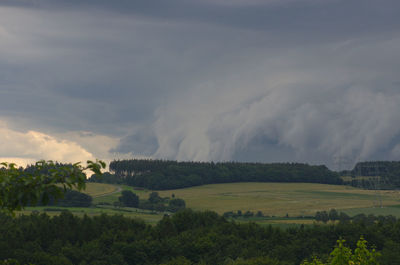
(31, 146)
(264, 81)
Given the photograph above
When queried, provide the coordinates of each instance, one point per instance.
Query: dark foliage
(176, 205)
(72, 198)
(129, 199)
(162, 175)
(106, 177)
(39, 183)
(157, 203)
(188, 236)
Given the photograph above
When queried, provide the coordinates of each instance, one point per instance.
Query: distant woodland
(185, 238)
(163, 174)
(188, 237)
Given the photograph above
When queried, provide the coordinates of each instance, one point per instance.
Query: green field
(102, 193)
(110, 198)
(279, 199)
(273, 199)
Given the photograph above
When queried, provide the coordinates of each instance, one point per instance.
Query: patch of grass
(334, 194)
(113, 197)
(99, 189)
(280, 222)
(358, 178)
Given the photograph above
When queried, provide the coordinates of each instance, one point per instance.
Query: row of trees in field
(162, 174)
(72, 198)
(188, 237)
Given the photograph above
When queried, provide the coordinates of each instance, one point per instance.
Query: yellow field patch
(99, 189)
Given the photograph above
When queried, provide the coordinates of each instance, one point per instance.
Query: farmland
(279, 199)
(276, 200)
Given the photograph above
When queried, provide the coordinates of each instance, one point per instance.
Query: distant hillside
(163, 175)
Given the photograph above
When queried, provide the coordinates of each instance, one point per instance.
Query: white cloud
(100, 146)
(27, 147)
(30, 146)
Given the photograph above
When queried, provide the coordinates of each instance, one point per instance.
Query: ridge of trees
(165, 174)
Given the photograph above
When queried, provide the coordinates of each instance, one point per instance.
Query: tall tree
(46, 179)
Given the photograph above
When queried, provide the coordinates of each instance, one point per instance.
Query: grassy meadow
(101, 193)
(279, 199)
(272, 199)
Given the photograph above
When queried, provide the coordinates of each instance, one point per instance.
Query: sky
(313, 81)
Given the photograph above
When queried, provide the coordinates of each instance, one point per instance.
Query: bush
(129, 199)
(176, 205)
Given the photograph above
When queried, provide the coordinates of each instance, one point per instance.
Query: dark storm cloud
(143, 142)
(251, 80)
(313, 16)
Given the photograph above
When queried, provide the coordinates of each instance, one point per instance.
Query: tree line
(186, 237)
(164, 174)
(71, 198)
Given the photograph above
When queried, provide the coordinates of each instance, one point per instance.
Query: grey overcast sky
(313, 81)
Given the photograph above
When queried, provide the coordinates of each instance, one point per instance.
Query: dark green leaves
(20, 188)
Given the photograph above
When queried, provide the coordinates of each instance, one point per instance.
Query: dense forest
(187, 237)
(162, 174)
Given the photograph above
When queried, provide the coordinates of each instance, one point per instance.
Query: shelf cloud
(307, 81)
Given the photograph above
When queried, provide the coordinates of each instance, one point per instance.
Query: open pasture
(272, 199)
(279, 199)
